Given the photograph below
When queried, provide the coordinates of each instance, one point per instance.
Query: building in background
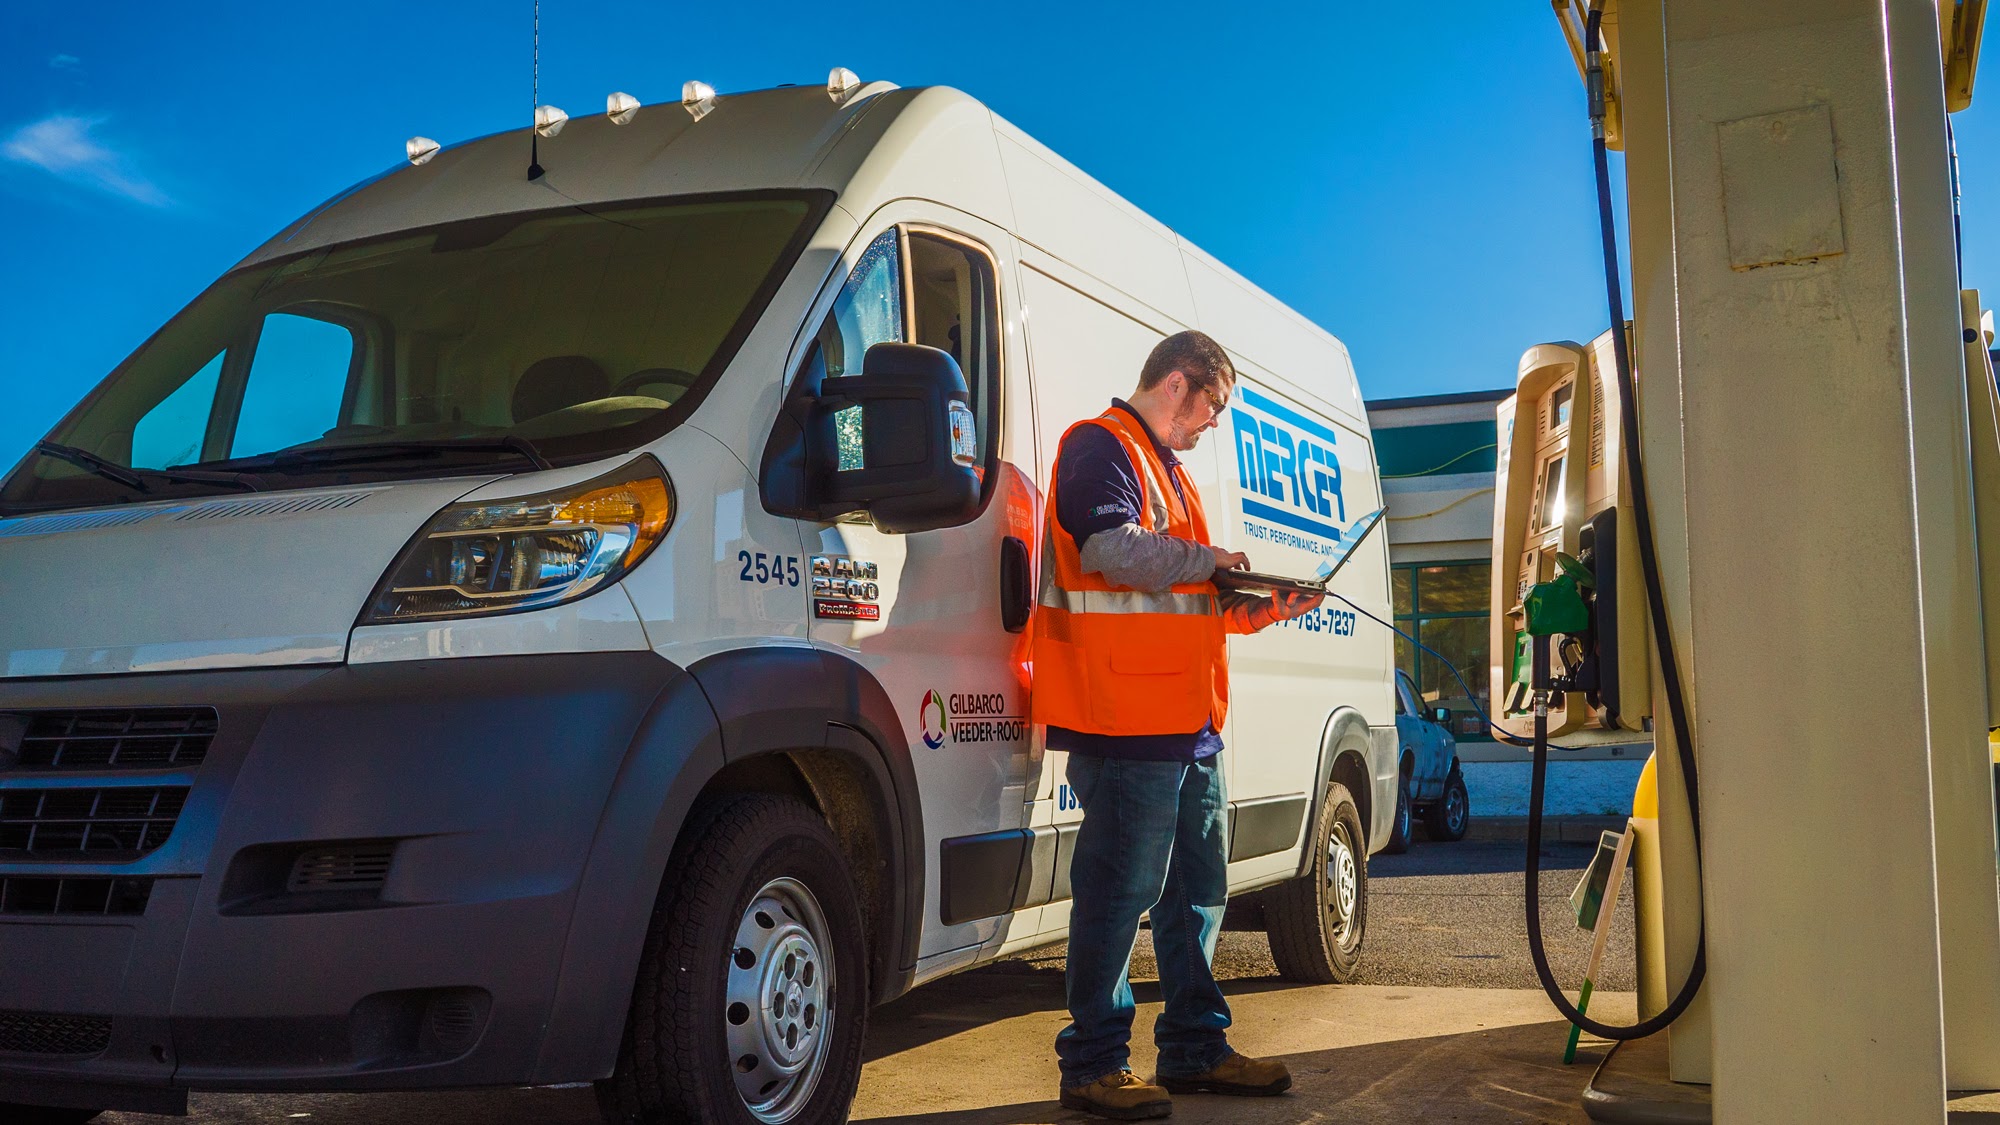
(1437, 455)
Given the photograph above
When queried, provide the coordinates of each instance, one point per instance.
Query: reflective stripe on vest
(1127, 601)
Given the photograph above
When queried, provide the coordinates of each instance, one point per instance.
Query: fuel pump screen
(1550, 512)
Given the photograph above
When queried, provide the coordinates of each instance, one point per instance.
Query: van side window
(172, 432)
(297, 383)
(956, 309)
(868, 311)
(952, 305)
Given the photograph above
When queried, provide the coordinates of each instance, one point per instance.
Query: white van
(521, 631)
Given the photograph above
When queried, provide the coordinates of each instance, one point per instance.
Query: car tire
(14, 1114)
(1317, 921)
(1451, 815)
(752, 995)
(1403, 824)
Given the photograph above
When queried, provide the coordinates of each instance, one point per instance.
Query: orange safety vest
(1118, 661)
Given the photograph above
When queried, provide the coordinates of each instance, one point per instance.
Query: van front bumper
(370, 883)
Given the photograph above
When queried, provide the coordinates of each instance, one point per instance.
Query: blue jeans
(1153, 838)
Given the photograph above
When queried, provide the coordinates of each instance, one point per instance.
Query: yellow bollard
(1649, 924)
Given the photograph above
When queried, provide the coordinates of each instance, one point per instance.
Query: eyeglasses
(1216, 405)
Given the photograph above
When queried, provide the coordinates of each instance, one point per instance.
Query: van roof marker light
(698, 98)
(420, 149)
(621, 108)
(841, 82)
(549, 120)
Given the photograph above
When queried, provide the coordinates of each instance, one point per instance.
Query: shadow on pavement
(1502, 1076)
(1475, 857)
(547, 1106)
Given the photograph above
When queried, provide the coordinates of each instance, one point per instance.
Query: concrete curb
(1555, 829)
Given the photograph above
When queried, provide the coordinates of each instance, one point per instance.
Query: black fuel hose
(1656, 603)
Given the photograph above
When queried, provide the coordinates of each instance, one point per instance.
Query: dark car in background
(1432, 786)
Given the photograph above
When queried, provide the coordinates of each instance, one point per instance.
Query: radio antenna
(535, 98)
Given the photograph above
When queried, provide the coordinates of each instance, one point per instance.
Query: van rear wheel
(1317, 921)
(751, 1001)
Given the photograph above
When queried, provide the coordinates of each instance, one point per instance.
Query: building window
(1444, 605)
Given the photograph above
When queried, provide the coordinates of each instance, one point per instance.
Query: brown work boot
(1237, 1074)
(1121, 1094)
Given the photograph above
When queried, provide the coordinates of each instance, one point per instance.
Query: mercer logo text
(1286, 457)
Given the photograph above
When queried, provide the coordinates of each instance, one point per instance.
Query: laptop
(1317, 584)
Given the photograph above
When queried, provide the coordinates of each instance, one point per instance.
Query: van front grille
(135, 738)
(100, 823)
(94, 895)
(39, 1033)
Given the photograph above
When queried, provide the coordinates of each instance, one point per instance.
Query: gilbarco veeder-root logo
(969, 717)
(931, 714)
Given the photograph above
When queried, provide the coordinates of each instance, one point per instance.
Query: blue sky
(1425, 196)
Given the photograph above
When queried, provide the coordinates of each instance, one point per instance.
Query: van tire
(14, 1114)
(680, 1062)
(1310, 941)
(1403, 825)
(1451, 814)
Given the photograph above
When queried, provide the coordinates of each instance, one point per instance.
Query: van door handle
(1017, 589)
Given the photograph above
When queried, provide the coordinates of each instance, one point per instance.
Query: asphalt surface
(1445, 915)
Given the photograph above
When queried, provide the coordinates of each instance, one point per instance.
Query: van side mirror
(912, 461)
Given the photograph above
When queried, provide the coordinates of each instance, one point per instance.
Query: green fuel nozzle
(1556, 606)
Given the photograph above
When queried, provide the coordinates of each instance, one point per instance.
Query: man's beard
(1182, 433)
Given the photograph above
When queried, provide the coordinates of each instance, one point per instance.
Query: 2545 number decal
(769, 570)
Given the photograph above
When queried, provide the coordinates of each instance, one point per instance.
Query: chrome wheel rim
(1343, 879)
(779, 1016)
(1454, 808)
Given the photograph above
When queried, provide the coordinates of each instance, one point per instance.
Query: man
(1131, 678)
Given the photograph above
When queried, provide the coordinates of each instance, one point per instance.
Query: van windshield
(516, 340)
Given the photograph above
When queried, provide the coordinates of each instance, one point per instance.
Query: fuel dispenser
(1562, 509)
(1572, 622)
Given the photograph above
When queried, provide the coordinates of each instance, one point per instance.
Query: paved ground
(1441, 1028)
(1445, 915)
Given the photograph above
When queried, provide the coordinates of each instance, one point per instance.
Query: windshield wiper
(306, 460)
(136, 478)
(85, 459)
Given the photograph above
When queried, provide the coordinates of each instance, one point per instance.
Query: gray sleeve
(1128, 555)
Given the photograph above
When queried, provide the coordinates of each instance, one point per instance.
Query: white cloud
(63, 62)
(62, 145)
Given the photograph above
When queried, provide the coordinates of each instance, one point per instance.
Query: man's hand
(1286, 605)
(1229, 560)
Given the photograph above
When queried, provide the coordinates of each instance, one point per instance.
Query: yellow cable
(1446, 508)
(1446, 465)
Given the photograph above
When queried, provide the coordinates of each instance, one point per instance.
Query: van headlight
(505, 556)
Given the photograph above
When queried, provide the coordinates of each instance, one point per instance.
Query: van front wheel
(752, 994)
(1316, 922)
